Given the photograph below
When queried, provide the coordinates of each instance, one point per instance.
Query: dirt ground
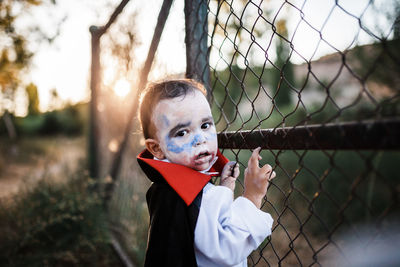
(31, 159)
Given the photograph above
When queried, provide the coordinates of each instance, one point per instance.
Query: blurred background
(272, 64)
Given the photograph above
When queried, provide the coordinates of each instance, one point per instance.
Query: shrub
(56, 224)
(68, 121)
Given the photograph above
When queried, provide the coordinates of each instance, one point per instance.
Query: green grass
(56, 224)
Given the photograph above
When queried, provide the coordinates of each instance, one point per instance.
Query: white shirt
(228, 230)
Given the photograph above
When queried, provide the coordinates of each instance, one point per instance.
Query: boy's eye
(206, 125)
(181, 133)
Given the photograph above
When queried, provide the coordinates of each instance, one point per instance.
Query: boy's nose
(198, 140)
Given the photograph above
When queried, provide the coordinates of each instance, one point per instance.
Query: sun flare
(122, 87)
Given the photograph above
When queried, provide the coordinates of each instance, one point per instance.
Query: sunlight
(122, 87)
(113, 145)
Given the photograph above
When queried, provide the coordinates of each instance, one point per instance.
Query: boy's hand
(229, 175)
(256, 179)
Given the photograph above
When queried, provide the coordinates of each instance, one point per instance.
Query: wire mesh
(312, 70)
(316, 84)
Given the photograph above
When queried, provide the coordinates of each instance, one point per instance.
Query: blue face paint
(197, 139)
(171, 146)
(165, 120)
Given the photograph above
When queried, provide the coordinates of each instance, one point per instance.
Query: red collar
(186, 182)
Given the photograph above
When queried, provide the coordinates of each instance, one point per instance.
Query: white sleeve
(228, 231)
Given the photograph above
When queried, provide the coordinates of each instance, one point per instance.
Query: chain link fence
(315, 84)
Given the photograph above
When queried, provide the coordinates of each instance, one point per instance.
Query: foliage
(69, 121)
(56, 224)
(327, 189)
(15, 55)
(379, 62)
(65, 121)
(33, 99)
(227, 85)
(129, 215)
(282, 76)
(232, 20)
(319, 189)
(234, 88)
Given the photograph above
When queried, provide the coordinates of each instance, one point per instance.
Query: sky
(65, 63)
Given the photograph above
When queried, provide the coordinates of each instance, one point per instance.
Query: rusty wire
(328, 122)
(316, 116)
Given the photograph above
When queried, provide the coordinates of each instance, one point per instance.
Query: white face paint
(185, 130)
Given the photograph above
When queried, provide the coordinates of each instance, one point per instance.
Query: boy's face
(185, 130)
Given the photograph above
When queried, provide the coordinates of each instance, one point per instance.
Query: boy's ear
(154, 148)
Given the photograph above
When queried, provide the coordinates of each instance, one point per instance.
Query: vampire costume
(173, 201)
(195, 223)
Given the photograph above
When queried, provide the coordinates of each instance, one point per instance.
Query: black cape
(172, 223)
(172, 220)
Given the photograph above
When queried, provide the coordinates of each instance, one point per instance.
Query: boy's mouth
(203, 157)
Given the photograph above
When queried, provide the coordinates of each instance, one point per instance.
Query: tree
(236, 30)
(378, 62)
(33, 99)
(396, 26)
(282, 76)
(15, 56)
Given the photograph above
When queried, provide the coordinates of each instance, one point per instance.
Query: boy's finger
(236, 171)
(228, 166)
(266, 168)
(231, 163)
(271, 176)
(232, 167)
(254, 158)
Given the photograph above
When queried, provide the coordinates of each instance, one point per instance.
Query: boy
(193, 222)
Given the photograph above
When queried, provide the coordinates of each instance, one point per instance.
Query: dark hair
(155, 92)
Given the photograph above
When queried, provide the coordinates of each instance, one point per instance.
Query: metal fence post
(95, 78)
(93, 155)
(196, 25)
(117, 161)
